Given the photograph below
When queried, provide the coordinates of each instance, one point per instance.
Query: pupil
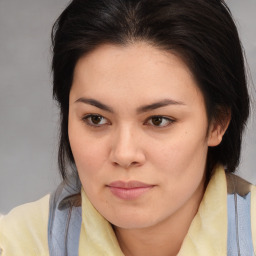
(157, 120)
(96, 119)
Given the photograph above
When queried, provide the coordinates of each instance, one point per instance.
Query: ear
(218, 128)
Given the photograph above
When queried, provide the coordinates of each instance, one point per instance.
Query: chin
(133, 221)
(132, 224)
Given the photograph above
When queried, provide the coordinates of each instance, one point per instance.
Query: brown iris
(157, 120)
(96, 119)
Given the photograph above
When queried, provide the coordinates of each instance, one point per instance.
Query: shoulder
(23, 231)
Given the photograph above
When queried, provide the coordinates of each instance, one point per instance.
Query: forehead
(135, 72)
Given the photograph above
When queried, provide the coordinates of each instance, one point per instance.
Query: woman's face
(138, 133)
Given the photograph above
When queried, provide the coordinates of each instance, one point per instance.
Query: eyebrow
(145, 108)
(159, 104)
(96, 104)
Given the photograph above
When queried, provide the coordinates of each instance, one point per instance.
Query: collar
(97, 236)
(207, 234)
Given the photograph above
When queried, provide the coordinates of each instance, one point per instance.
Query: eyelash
(88, 120)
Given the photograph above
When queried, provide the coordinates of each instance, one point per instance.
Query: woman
(153, 101)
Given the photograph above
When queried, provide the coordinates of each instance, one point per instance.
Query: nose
(126, 149)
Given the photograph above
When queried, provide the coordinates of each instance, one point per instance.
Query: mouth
(129, 190)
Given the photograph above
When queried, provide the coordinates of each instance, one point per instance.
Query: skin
(125, 143)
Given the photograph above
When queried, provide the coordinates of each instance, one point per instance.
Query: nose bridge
(126, 148)
(125, 140)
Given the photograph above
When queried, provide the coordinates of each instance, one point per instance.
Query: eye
(95, 120)
(159, 121)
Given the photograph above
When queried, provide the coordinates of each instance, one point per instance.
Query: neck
(165, 238)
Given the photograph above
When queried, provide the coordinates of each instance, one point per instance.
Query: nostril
(134, 163)
(115, 164)
(126, 165)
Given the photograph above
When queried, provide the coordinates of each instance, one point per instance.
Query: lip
(129, 190)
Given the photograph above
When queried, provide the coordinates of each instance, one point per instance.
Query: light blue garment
(239, 225)
(64, 221)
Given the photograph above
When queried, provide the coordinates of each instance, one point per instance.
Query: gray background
(28, 115)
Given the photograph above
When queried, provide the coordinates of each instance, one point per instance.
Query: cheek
(181, 165)
(181, 154)
(89, 154)
(89, 160)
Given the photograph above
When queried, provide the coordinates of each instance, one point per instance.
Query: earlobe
(217, 130)
(215, 136)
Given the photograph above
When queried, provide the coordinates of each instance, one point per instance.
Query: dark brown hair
(201, 32)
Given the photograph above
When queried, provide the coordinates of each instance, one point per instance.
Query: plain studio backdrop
(29, 116)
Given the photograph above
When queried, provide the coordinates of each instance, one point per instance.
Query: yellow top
(24, 230)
